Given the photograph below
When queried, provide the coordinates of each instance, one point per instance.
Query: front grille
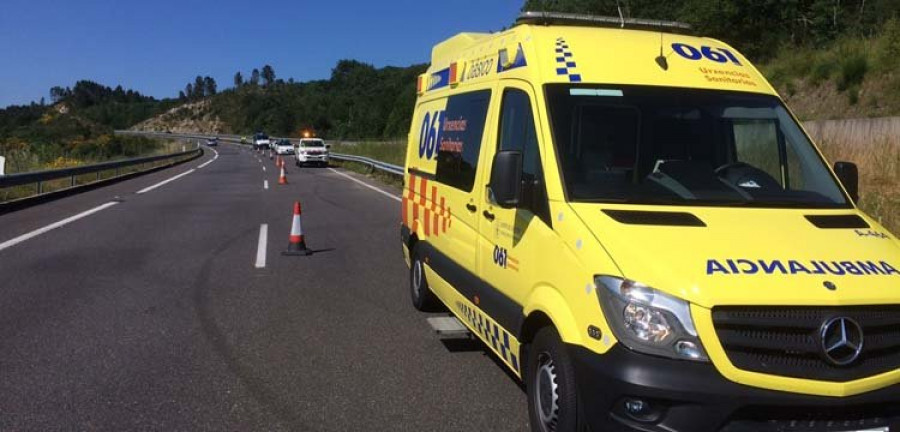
(785, 341)
(808, 419)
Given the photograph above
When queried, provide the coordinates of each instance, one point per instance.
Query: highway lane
(152, 314)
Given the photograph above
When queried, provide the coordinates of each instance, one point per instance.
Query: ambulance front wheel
(550, 384)
(422, 298)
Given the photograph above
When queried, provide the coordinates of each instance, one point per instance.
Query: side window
(461, 130)
(517, 132)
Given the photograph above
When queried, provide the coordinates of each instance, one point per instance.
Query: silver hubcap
(417, 279)
(546, 394)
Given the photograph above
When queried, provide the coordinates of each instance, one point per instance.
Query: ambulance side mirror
(848, 174)
(506, 178)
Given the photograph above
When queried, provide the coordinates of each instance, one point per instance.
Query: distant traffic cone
(297, 245)
(282, 179)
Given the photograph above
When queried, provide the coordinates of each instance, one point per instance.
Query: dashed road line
(261, 246)
(265, 184)
(171, 179)
(10, 243)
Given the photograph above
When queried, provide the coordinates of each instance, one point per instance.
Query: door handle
(471, 207)
(490, 216)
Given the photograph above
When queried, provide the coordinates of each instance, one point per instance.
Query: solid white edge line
(171, 179)
(10, 243)
(394, 197)
(211, 160)
(261, 246)
(265, 184)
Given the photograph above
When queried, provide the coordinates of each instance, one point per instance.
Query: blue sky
(158, 46)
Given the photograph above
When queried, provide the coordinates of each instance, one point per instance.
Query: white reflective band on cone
(296, 229)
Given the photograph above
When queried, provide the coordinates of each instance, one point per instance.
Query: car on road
(311, 151)
(260, 141)
(212, 142)
(283, 147)
(634, 223)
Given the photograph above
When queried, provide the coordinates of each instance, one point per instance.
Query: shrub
(853, 70)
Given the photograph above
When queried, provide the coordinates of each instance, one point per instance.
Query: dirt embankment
(192, 117)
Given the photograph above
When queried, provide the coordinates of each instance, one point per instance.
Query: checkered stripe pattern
(493, 334)
(565, 61)
(434, 218)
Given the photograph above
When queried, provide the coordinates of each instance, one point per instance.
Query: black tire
(550, 408)
(423, 299)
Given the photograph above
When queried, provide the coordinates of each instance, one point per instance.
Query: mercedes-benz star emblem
(842, 340)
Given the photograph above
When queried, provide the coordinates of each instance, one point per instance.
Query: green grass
(847, 63)
(392, 152)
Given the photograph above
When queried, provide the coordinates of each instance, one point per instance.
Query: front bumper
(687, 396)
(312, 158)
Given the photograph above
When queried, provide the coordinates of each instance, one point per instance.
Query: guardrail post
(2, 165)
(72, 182)
(40, 187)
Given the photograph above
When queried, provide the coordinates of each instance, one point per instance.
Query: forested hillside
(358, 101)
(76, 127)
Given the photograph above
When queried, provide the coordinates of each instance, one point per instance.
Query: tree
(189, 91)
(238, 80)
(254, 77)
(210, 85)
(268, 75)
(199, 87)
(58, 93)
(181, 95)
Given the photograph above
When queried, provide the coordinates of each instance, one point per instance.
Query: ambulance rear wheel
(422, 298)
(550, 384)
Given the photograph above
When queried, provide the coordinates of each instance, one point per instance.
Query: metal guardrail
(375, 164)
(39, 177)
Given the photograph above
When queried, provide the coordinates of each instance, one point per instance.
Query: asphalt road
(151, 313)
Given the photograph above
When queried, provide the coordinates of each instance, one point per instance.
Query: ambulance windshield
(677, 146)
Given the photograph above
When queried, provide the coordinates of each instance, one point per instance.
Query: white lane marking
(261, 246)
(264, 168)
(265, 184)
(211, 160)
(53, 226)
(389, 195)
(150, 188)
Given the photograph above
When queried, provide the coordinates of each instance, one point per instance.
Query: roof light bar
(547, 18)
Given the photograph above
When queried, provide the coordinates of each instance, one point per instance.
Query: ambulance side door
(445, 209)
(514, 241)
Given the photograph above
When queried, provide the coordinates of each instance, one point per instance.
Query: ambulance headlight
(649, 321)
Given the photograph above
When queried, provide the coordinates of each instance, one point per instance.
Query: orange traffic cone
(297, 245)
(283, 178)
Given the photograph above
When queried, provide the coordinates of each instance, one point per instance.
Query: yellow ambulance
(631, 219)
